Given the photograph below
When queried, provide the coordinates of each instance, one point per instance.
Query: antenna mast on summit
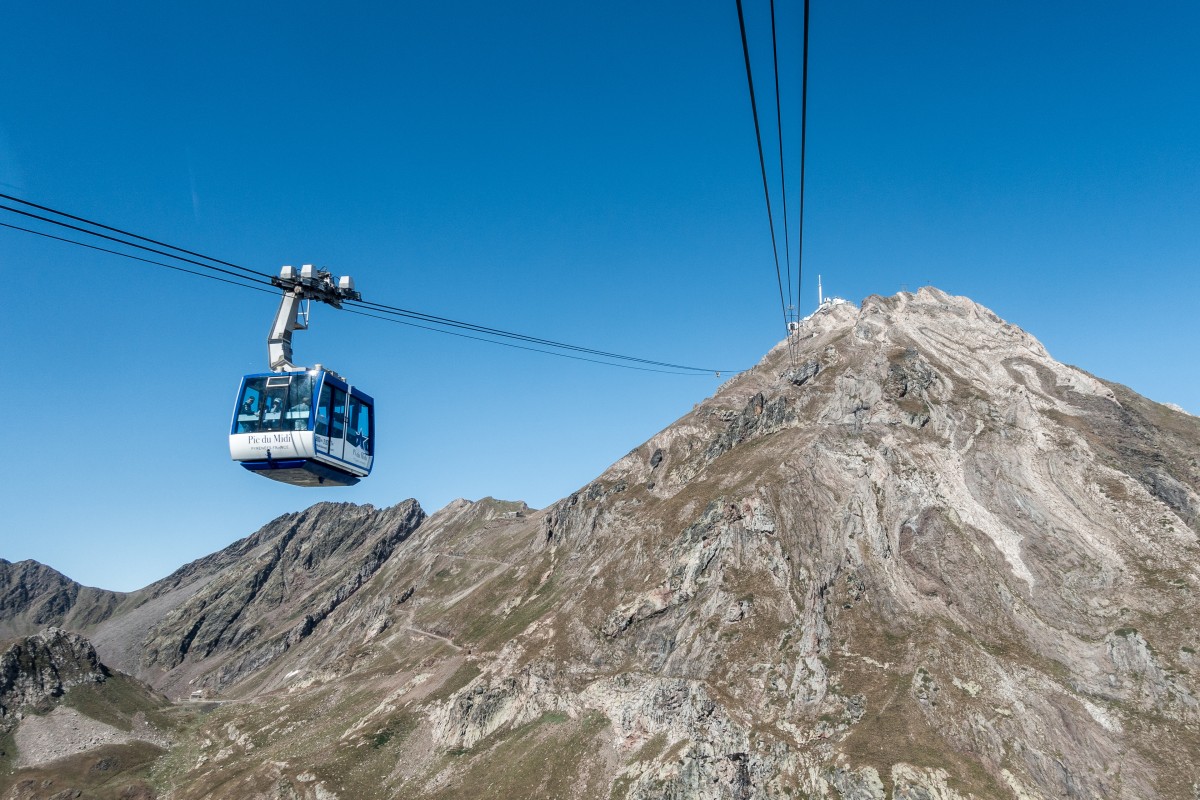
(820, 295)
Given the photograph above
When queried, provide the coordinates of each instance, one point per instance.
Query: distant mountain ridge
(911, 556)
(34, 596)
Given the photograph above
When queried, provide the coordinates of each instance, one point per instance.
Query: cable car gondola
(306, 427)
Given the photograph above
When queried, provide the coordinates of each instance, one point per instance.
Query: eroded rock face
(70, 727)
(939, 565)
(915, 559)
(38, 669)
(297, 573)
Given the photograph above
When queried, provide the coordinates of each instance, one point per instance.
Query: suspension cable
(761, 161)
(392, 312)
(403, 312)
(261, 278)
(803, 147)
(787, 246)
(517, 346)
(95, 224)
(138, 258)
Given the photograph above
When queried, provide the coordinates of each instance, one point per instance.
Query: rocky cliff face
(70, 727)
(910, 557)
(283, 584)
(39, 669)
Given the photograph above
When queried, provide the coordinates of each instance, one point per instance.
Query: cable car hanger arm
(310, 284)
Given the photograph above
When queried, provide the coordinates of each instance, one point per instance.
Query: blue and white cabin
(307, 428)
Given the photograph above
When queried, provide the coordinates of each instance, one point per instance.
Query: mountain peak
(910, 361)
(909, 554)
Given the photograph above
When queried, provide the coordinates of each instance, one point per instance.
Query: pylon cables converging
(762, 163)
(789, 306)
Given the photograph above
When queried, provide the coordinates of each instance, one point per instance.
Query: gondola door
(359, 431)
(337, 424)
(331, 421)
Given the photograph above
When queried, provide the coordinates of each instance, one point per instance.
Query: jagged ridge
(922, 559)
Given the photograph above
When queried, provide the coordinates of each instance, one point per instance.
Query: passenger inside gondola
(262, 403)
(271, 413)
(248, 411)
(338, 451)
(299, 412)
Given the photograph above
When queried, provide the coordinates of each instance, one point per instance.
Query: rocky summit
(909, 556)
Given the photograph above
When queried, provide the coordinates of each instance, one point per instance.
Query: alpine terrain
(913, 557)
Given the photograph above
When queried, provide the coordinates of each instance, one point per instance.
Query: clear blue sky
(581, 172)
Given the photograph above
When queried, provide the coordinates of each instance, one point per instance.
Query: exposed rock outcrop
(914, 558)
(289, 578)
(38, 669)
(70, 727)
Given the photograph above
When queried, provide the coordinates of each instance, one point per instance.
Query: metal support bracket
(299, 289)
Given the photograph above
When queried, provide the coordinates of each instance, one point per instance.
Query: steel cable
(134, 235)
(393, 311)
(803, 148)
(761, 160)
(787, 246)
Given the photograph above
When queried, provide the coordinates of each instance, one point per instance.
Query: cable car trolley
(299, 425)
